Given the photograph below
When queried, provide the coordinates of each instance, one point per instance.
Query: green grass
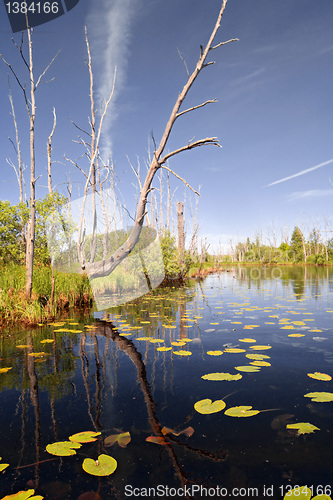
(71, 290)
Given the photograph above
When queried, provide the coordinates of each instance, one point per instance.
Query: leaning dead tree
(105, 267)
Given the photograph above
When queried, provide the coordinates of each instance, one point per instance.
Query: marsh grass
(71, 290)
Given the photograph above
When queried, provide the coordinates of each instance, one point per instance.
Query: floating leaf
(260, 347)
(296, 335)
(322, 497)
(303, 428)
(164, 348)
(257, 356)
(320, 376)
(123, 439)
(178, 343)
(234, 350)
(320, 397)
(214, 353)
(300, 493)
(221, 376)
(63, 448)
(247, 368)
(22, 346)
(23, 495)
(157, 341)
(47, 341)
(188, 431)
(241, 411)
(5, 370)
(103, 466)
(182, 353)
(260, 363)
(143, 338)
(157, 440)
(206, 406)
(84, 437)
(3, 466)
(247, 340)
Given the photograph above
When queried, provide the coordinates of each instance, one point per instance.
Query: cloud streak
(109, 33)
(302, 172)
(312, 193)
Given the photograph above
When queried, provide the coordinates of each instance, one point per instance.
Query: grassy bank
(70, 291)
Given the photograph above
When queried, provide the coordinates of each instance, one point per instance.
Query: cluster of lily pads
(207, 406)
(103, 466)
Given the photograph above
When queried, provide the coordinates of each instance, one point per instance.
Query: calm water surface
(108, 374)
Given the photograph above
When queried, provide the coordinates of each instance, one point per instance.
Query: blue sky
(274, 115)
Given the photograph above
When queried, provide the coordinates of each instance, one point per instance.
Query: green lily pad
(206, 406)
(123, 439)
(234, 350)
(221, 376)
(84, 437)
(300, 493)
(303, 428)
(23, 495)
(241, 411)
(320, 397)
(182, 353)
(248, 368)
(103, 466)
(257, 362)
(320, 376)
(257, 356)
(63, 448)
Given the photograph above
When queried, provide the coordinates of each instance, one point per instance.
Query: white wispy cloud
(109, 33)
(311, 193)
(249, 76)
(302, 172)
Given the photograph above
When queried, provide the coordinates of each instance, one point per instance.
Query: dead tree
(49, 150)
(93, 153)
(105, 267)
(30, 103)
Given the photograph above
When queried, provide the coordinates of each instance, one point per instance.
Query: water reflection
(99, 375)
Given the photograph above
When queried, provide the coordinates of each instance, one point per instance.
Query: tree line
(315, 247)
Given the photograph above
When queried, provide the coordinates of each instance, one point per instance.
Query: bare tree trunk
(49, 150)
(32, 221)
(181, 234)
(19, 170)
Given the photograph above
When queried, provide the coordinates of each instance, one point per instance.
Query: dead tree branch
(180, 178)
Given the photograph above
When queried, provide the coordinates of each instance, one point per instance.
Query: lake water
(108, 374)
